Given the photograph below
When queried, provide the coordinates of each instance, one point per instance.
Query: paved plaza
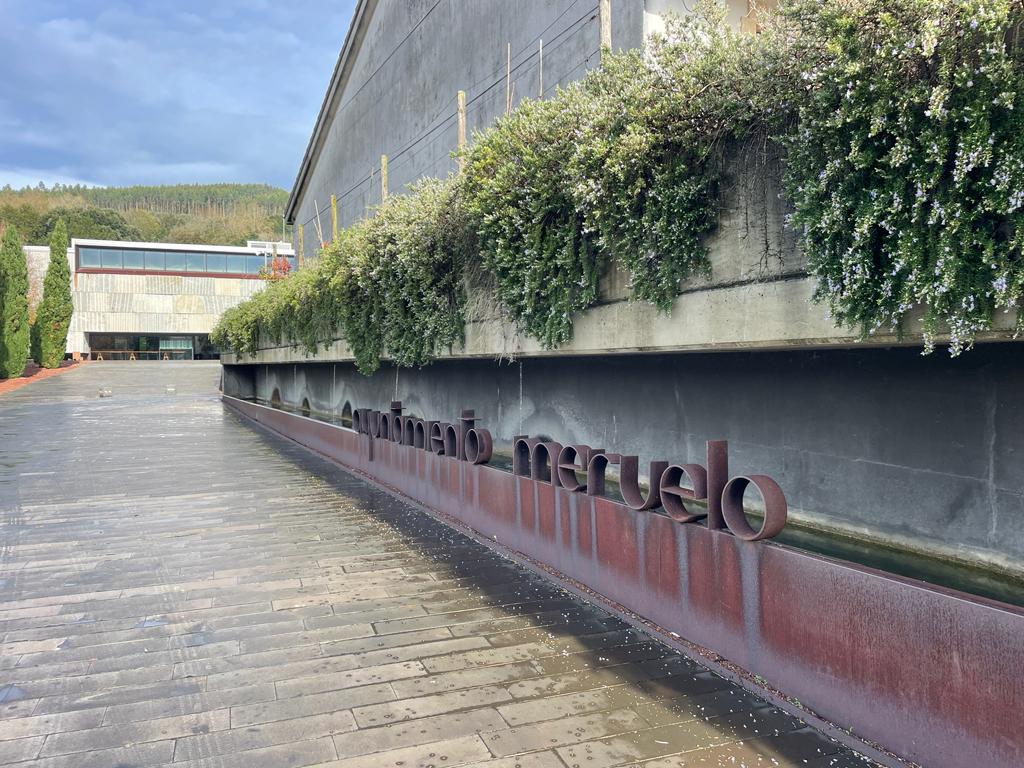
(177, 587)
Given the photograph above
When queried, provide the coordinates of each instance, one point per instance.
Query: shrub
(532, 238)
(398, 278)
(390, 284)
(14, 327)
(907, 167)
(53, 315)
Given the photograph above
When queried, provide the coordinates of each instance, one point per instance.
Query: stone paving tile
(179, 589)
(310, 704)
(126, 734)
(266, 735)
(411, 733)
(188, 704)
(423, 706)
(292, 755)
(449, 752)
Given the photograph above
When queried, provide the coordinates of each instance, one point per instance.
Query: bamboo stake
(462, 128)
(606, 26)
(302, 245)
(383, 178)
(508, 80)
(541, 77)
(334, 218)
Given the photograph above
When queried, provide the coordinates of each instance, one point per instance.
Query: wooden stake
(606, 25)
(540, 55)
(508, 80)
(302, 245)
(334, 218)
(383, 178)
(462, 128)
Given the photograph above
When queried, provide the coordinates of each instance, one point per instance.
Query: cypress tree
(54, 314)
(14, 329)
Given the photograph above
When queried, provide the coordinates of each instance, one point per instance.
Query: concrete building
(394, 88)
(873, 442)
(902, 471)
(153, 300)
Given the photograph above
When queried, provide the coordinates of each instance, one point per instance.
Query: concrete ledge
(772, 315)
(932, 674)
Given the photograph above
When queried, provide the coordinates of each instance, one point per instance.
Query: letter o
(775, 507)
(479, 446)
(451, 441)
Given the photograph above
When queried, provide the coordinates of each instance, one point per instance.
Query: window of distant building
(98, 258)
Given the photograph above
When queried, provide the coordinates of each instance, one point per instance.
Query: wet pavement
(177, 587)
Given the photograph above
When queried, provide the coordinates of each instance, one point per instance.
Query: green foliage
(91, 223)
(658, 131)
(391, 284)
(624, 165)
(907, 168)
(53, 315)
(14, 326)
(26, 219)
(408, 267)
(532, 238)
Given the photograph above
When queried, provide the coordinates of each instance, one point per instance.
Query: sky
(119, 92)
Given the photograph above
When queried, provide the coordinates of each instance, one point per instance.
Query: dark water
(933, 570)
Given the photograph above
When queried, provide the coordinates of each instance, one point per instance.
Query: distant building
(154, 300)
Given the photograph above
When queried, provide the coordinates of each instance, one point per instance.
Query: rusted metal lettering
(670, 486)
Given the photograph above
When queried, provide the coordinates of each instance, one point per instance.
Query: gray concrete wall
(920, 451)
(37, 259)
(400, 99)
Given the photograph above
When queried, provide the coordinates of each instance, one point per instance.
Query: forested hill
(223, 214)
(187, 198)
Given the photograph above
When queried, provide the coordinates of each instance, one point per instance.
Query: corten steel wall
(925, 452)
(932, 674)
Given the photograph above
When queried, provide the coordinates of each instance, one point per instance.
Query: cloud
(148, 92)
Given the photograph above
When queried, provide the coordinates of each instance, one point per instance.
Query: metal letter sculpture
(561, 466)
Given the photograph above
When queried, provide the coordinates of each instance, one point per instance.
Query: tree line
(214, 214)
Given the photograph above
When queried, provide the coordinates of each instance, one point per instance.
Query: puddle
(150, 623)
